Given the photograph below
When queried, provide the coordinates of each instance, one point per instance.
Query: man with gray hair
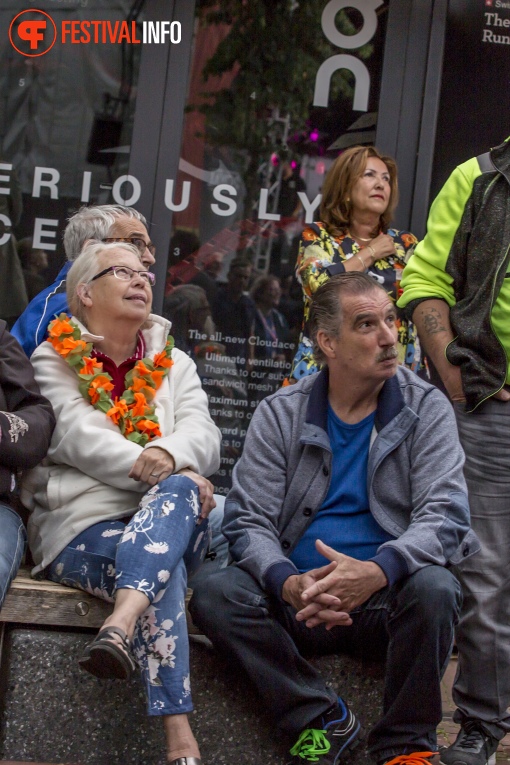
(347, 507)
(108, 223)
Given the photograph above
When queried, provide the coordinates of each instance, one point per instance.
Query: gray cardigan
(416, 486)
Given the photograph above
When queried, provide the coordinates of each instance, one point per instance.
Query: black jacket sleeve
(26, 417)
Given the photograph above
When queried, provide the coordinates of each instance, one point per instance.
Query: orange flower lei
(134, 412)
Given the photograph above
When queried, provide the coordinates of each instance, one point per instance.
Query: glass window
(472, 115)
(65, 130)
(276, 91)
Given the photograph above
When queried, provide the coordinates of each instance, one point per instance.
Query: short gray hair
(326, 306)
(85, 268)
(94, 222)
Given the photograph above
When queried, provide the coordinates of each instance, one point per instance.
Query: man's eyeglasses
(140, 244)
(125, 274)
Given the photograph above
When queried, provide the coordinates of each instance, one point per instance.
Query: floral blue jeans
(147, 554)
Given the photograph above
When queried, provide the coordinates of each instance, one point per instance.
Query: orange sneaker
(416, 758)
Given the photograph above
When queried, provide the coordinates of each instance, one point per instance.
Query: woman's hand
(205, 491)
(153, 465)
(380, 248)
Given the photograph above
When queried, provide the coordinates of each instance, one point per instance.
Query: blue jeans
(12, 546)
(147, 554)
(218, 550)
(410, 623)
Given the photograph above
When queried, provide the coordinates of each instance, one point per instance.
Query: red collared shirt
(118, 373)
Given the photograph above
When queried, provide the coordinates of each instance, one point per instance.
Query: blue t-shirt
(344, 521)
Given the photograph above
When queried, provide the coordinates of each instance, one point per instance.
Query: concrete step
(53, 712)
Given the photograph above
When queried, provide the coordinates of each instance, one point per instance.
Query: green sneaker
(328, 737)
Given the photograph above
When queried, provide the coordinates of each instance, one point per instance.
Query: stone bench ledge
(33, 601)
(54, 712)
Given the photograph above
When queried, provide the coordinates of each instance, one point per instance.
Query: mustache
(389, 353)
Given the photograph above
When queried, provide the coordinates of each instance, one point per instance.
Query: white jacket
(84, 478)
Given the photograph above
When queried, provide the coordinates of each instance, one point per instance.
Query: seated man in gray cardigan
(348, 506)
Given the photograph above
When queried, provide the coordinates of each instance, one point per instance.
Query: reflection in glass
(256, 147)
(65, 130)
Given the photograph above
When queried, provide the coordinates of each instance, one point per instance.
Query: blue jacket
(30, 329)
(416, 486)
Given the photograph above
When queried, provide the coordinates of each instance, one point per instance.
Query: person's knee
(11, 523)
(218, 598)
(12, 546)
(174, 492)
(436, 593)
(180, 484)
(12, 541)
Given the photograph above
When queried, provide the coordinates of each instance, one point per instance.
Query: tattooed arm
(432, 319)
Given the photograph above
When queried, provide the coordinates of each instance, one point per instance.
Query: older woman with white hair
(122, 491)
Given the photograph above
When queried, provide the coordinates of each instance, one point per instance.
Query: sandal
(106, 658)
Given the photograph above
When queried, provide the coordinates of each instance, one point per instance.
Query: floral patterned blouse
(320, 257)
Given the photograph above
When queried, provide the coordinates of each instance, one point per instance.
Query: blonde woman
(122, 493)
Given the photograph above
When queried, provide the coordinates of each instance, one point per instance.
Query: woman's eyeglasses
(140, 244)
(125, 274)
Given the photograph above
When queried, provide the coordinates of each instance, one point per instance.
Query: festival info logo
(32, 32)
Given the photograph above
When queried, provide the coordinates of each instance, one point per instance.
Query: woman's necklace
(134, 412)
(359, 238)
